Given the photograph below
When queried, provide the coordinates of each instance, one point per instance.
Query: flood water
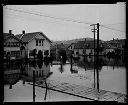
(112, 77)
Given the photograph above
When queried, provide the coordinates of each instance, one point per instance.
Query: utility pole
(94, 30)
(97, 54)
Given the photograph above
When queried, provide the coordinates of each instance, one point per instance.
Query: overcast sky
(65, 22)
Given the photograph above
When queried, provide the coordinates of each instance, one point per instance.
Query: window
(91, 50)
(36, 42)
(39, 42)
(42, 42)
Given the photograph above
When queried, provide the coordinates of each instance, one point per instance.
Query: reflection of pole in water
(46, 90)
(33, 86)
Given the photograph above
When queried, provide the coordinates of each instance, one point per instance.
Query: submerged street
(64, 84)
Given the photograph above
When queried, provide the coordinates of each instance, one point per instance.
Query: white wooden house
(35, 40)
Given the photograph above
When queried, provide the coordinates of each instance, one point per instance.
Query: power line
(48, 16)
(111, 28)
(17, 17)
(114, 24)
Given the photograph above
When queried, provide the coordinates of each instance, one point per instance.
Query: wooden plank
(114, 98)
(107, 96)
(121, 99)
(79, 88)
(86, 91)
(76, 90)
(63, 87)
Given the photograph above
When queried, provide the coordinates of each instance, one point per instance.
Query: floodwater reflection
(112, 72)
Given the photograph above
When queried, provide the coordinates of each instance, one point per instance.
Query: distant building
(71, 46)
(108, 48)
(118, 43)
(35, 40)
(12, 45)
(56, 48)
(87, 47)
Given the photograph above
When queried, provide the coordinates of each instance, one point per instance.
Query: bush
(40, 55)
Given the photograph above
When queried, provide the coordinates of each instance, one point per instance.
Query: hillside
(68, 42)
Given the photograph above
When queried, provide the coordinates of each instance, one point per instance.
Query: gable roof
(7, 36)
(27, 37)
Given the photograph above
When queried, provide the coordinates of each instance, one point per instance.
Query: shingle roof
(85, 44)
(28, 36)
(90, 45)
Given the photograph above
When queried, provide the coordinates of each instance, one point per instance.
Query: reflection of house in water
(12, 76)
(40, 72)
(113, 62)
(88, 62)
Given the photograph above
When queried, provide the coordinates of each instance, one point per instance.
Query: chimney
(10, 32)
(23, 32)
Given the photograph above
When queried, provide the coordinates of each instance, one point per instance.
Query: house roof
(85, 44)
(117, 43)
(107, 45)
(70, 45)
(29, 36)
(7, 36)
(90, 45)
